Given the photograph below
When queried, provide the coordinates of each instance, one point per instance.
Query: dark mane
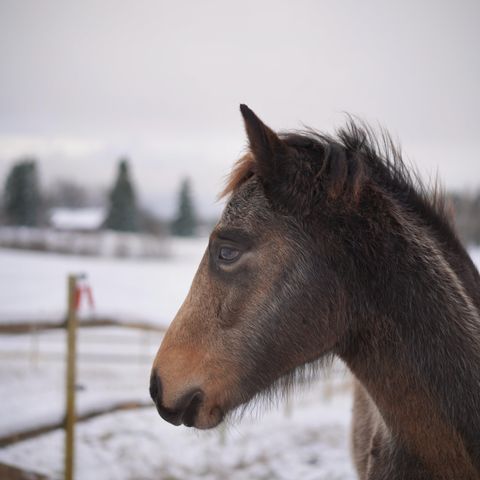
(356, 156)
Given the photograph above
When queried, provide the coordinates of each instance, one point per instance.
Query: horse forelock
(243, 169)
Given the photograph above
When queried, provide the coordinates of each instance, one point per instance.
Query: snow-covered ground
(134, 289)
(307, 439)
(113, 367)
(85, 241)
(311, 442)
(82, 219)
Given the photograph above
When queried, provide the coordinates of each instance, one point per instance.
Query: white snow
(77, 219)
(310, 443)
(133, 289)
(102, 243)
(113, 366)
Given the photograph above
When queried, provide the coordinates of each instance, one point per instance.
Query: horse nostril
(155, 388)
(184, 411)
(192, 405)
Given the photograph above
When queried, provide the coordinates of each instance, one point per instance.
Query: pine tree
(123, 214)
(185, 222)
(21, 195)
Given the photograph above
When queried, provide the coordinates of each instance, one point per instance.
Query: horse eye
(228, 254)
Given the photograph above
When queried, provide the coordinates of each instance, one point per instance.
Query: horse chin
(208, 418)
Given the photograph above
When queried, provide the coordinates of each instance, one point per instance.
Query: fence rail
(82, 357)
(27, 434)
(70, 356)
(9, 472)
(29, 327)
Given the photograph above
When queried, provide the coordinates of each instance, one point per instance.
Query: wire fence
(91, 341)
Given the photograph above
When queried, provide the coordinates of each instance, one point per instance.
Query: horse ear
(267, 148)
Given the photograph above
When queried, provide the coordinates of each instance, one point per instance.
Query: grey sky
(84, 82)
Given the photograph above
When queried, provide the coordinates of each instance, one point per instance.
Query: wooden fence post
(70, 379)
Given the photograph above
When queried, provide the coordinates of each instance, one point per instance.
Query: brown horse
(328, 246)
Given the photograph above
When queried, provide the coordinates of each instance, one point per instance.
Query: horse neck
(418, 355)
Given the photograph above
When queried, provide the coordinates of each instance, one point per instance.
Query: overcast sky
(82, 83)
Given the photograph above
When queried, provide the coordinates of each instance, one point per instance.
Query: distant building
(77, 219)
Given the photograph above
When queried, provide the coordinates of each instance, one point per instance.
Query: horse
(331, 247)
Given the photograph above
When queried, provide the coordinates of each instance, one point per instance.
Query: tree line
(24, 203)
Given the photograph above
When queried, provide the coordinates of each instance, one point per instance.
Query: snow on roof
(77, 219)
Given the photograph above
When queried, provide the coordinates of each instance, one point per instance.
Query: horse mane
(243, 169)
(355, 156)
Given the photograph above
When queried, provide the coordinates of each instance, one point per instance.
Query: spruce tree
(185, 222)
(123, 214)
(21, 195)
